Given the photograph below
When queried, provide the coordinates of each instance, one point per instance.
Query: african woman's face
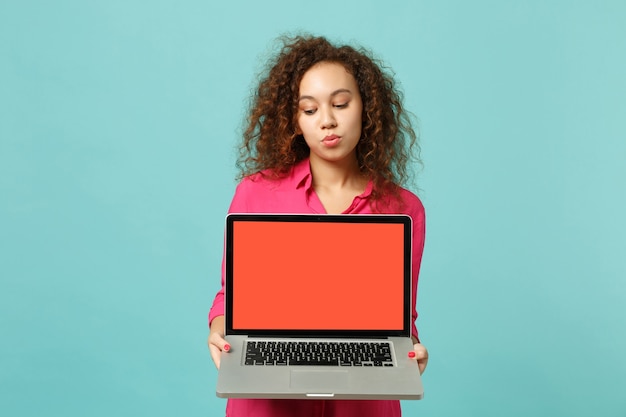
(329, 112)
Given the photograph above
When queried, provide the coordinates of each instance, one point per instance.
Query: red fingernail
(411, 354)
(227, 348)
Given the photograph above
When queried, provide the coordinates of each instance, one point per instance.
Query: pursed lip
(330, 137)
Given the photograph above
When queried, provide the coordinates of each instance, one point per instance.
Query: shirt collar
(302, 174)
(302, 178)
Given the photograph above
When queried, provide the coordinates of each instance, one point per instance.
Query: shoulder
(253, 186)
(265, 192)
(274, 180)
(413, 207)
(407, 202)
(263, 180)
(249, 189)
(411, 200)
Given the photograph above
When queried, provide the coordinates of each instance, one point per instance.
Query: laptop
(318, 306)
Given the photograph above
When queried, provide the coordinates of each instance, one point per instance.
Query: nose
(328, 119)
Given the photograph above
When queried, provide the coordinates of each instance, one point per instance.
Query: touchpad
(326, 381)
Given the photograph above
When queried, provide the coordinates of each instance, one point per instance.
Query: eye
(308, 112)
(341, 106)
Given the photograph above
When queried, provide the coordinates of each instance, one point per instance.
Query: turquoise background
(118, 122)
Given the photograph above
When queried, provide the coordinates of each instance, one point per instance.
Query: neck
(336, 174)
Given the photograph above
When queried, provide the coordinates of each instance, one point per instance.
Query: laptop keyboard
(318, 353)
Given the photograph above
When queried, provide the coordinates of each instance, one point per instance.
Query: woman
(326, 134)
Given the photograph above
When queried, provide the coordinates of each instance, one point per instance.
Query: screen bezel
(404, 220)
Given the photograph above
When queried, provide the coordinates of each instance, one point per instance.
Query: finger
(420, 354)
(217, 344)
(215, 339)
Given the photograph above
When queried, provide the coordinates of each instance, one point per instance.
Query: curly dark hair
(388, 141)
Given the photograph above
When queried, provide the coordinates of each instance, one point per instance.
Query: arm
(216, 341)
(420, 353)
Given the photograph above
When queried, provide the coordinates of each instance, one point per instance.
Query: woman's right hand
(216, 340)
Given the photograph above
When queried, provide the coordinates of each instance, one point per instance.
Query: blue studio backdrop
(118, 123)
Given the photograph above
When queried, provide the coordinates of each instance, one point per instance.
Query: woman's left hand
(420, 354)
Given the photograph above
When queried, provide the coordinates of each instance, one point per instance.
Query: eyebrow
(333, 94)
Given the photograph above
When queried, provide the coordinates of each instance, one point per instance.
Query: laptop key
(314, 363)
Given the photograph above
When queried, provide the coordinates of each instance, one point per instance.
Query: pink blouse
(295, 194)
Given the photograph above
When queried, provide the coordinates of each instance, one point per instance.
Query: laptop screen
(312, 274)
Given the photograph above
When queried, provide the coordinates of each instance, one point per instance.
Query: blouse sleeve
(419, 233)
(239, 204)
